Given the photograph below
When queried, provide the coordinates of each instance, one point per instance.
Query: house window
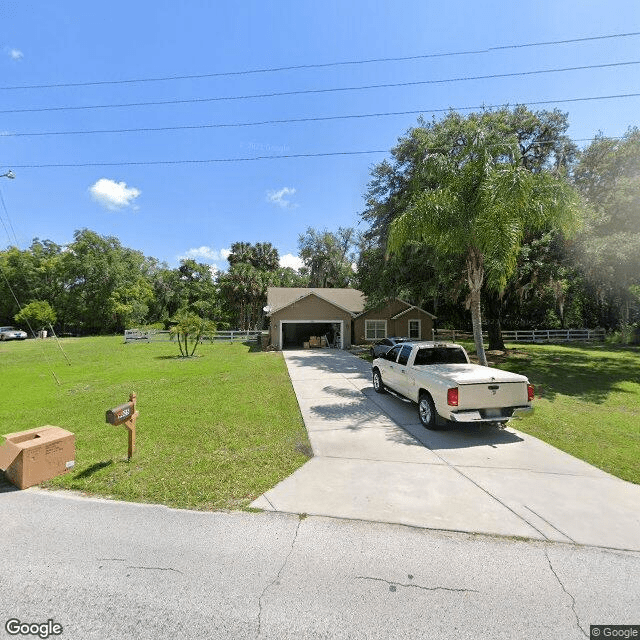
(414, 329)
(375, 329)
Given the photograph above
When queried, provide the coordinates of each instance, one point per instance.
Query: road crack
(573, 600)
(277, 578)
(391, 584)
(156, 568)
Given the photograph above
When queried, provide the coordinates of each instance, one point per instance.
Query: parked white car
(448, 388)
(10, 333)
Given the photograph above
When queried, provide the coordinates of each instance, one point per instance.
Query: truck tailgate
(489, 395)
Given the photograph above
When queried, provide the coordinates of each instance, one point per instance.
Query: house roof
(350, 300)
(411, 308)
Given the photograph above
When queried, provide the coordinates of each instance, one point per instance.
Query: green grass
(214, 431)
(587, 401)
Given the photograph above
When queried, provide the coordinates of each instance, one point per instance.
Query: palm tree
(473, 198)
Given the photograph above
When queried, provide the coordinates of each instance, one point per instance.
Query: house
(396, 318)
(296, 314)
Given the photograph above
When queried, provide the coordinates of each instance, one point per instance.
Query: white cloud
(206, 254)
(15, 54)
(113, 195)
(280, 197)
(289, 260)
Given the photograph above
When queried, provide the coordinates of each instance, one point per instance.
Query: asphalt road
(107, 570)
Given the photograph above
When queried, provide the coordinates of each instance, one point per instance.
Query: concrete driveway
(374, 461)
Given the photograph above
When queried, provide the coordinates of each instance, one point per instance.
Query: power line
(324, 90)
(129, 163)
(309, 119)
(324, 64)
(6, 213)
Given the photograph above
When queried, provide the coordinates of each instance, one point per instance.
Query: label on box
(70, 464)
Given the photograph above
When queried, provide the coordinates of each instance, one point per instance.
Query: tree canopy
(467, 190)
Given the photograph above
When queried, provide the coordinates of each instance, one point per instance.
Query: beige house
(296, 314)
(396, 318)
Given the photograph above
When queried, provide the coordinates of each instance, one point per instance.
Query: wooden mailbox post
(125, 415)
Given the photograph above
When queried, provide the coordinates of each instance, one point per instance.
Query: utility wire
(6, 213)
(324, 64)
(309, 119)
(324, 90)
(251, 158)
(53, 373)
(15, 297)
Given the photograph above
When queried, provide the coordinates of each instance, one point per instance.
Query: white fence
(158, 335)
(529, 335)
(553, 335)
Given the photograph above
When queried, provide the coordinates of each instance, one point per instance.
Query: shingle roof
(350, 299)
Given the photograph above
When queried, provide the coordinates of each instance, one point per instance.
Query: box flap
(8, 453)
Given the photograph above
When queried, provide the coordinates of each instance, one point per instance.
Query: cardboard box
(314, 341)
(305, 345)
(31, 457)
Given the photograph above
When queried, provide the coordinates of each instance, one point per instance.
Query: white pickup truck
(448, 388)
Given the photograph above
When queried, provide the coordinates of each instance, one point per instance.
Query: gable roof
(350, 300)
(411, 308)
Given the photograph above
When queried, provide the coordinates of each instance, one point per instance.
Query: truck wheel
(427, 412)
(378, 385)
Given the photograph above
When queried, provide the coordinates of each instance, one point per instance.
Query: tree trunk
(475, 275)
(493, 306)
(625, 322)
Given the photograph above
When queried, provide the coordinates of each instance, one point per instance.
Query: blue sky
(199, 209)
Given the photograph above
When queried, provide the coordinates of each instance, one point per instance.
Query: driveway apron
(373, 460)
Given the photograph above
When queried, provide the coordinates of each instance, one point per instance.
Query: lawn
(215, 431)
(587, 401)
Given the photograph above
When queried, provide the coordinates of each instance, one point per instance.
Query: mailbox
(120, 414)
(125, 415)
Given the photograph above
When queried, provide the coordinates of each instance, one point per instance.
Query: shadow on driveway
(459, 436)
(331, 361)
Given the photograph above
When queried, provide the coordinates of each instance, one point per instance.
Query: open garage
(295, 334)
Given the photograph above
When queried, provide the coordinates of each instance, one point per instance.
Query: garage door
(294, 333)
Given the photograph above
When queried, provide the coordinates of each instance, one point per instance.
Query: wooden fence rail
(529, 335)
(158, 335)
(554, 335)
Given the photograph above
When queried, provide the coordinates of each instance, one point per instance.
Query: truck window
(392, 354)
(404, 354)
(440, 355)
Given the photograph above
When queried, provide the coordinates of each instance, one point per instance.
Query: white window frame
(376, 336)
(419, 336)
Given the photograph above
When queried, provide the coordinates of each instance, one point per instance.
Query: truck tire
(378, 385)
(427, 412)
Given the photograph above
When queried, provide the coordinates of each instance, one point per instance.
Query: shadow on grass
(587, 372)
(254, 347)
(89, 471)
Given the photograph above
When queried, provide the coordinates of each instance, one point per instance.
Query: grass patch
(215, 431)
